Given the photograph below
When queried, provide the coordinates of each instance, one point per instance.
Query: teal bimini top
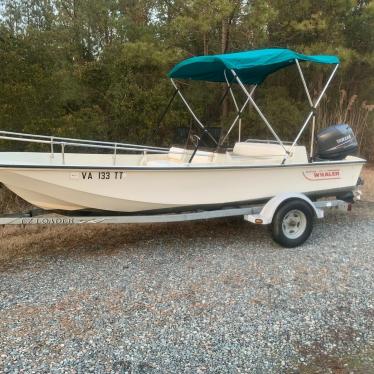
(252, 67)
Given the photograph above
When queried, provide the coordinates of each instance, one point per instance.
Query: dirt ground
(368, 187)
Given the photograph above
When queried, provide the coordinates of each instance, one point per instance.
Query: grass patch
(368, 187)
(360, 363)
(11, 203)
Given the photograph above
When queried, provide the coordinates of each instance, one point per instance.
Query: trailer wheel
(292, 223)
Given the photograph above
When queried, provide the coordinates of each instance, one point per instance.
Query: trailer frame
(251, 213)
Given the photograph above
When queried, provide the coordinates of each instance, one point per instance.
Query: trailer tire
(292, 223)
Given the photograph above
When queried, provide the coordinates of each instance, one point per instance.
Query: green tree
(96, 68)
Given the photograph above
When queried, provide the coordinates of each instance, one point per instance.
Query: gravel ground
(215, 297)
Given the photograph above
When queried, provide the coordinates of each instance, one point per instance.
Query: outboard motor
(335, 143)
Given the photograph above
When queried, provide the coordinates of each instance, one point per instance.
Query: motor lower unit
(336, 142)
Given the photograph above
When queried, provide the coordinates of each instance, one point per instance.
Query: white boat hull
(134, 189)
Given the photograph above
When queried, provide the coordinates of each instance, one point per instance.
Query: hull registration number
(98, 175)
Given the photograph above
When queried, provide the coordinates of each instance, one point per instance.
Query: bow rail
(84, 143)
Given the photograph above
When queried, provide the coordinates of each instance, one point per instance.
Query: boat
(132, 178)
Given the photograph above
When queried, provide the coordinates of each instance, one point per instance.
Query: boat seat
(257, 149)
(181, 154)
(269, 151)
(169, 163)
(176, 154)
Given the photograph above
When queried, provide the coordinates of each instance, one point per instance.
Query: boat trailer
(290, 215)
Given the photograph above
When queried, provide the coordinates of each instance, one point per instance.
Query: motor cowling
(336, 142)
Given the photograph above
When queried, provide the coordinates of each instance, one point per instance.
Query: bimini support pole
(236, 107)
(259, 111)
(311, 113)
(304, 83)
(311, 106)
(166, 109)
(312, 136)
(238, 115)
(192, 113)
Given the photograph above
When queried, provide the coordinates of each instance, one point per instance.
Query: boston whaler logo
(317, 175)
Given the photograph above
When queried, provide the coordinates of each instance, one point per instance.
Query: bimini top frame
(250, 68)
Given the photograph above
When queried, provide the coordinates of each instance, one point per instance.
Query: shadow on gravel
(94, 240)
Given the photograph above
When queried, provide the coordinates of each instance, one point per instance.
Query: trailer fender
(266, 214)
